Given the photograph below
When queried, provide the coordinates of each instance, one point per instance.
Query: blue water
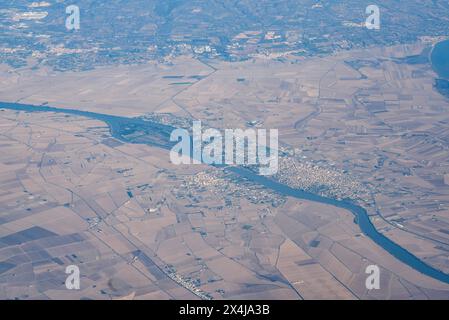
(160, 137)
(440, 59)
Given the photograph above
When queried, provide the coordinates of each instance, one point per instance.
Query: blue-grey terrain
(123, 30)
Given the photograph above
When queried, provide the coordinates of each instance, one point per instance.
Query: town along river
(136, 130)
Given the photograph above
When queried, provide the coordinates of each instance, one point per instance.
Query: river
(440, 59)
(156, 134)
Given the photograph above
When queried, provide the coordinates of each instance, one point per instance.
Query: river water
(440, 64)
(159, 135)
(440, 59)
